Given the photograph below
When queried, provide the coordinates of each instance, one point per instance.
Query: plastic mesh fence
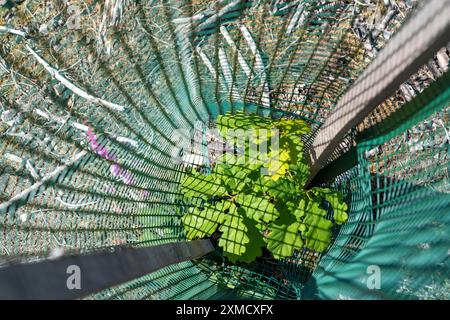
(93, 97)
(400, 198)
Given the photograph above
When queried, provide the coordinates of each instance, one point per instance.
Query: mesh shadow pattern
(97, 97)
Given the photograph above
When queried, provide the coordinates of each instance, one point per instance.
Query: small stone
(23, 217)
(43, 29)
(8, 117)
(56, 253)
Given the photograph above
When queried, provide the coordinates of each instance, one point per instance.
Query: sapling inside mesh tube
(258, 199)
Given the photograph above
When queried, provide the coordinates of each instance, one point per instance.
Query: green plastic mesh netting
(127, 75)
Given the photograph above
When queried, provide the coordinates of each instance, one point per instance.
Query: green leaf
(278, 163)
(261, 226)
(294, 126)
(294, 145)
(339, 207)
(236, 173)
(283, 239)
(313, 208)
(201, 186)
(318, 232)
(282, 189)
(250, 163)
(286, 210)
(252, 248)
(240, 127)
(258, 136)
(199, 223)
(234, 233)
(300, 173)
(233, 177)
(257, 208)
(238, 185)
(298, 208)
(337, 203)
(227, 159)
(241, 120)
(261, 184)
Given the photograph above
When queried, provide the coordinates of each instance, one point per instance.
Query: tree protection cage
(94, 96)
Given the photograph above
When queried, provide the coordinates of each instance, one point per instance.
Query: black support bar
(57, 279)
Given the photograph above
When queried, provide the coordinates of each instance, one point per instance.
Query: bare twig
(75, 205)
(58, 76)
(69, 85)
(297, 18)
(35, 187)
(13, 31)
(259, 64)
(232, 44)
(227, 72)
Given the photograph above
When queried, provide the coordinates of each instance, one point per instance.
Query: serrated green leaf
(250, 163)
(261, 184)
(340, 215)
(301, 173)
(240, 128)
(283, 239)
(241, 120)
(237, 185)
(286, 212)
(245, 210)
(221, 170)
(237, 172)
(261, 226)
(260, 136)
(234, 178)
(227, 159)
(313, 208)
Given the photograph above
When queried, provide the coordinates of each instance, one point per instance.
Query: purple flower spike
(91, 136)
(115, 170)
(95, 145)
(113, 157)
(108, 156)
(128, 178)
(103, 152)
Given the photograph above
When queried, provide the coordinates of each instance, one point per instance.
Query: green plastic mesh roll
(94, 94)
